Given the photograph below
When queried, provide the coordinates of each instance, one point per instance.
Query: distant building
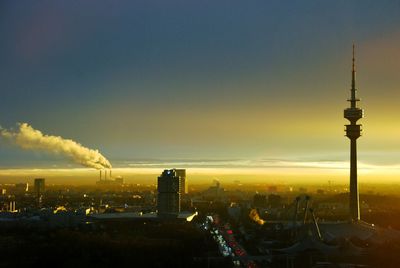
(39, 186)
(119, 180)
(215, 193)
(234, 211)
(259, 200)
(274, 200)
(183, 182)
(169, 195)
(22, 187)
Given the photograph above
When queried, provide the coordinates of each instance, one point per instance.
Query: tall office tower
(353, 132)
(169, 196)
(184, 185)
(39, 186)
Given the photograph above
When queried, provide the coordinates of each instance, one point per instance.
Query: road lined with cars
(228, 246)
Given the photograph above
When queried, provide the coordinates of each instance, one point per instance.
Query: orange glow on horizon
(282, 172)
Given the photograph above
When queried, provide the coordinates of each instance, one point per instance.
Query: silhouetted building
(22, 187)
(259, 200)
(353, 132)
(169, 196)
(39, 186)
(274, 200)
(214, 193)
(234, 211)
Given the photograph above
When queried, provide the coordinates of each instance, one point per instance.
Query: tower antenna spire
(353, 99)
(353, 69)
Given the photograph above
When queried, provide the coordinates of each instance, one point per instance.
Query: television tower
(353, 132)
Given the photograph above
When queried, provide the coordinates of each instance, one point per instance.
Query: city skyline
(199, 133)
(213, 87)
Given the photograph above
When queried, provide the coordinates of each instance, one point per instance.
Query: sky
(258, 86)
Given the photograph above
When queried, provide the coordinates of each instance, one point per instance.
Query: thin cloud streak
(222, 167)
(257, 164)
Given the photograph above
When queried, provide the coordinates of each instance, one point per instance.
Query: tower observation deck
(353, 132)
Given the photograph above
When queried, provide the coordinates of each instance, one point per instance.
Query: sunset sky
(251, 86)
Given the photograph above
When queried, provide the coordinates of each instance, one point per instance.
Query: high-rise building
(183, 185)
(39, 186)
(169, 195)
(353, 132)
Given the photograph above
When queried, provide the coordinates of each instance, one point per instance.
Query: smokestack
(110, 174)
(105, 175)
(100, 174)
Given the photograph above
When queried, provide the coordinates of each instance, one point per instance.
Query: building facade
(169, 193)
(39, 186)
(183, 181)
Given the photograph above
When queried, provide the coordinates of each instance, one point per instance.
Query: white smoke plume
(29, 138)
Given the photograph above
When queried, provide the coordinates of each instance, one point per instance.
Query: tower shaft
(354, 195)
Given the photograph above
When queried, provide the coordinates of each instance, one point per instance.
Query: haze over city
(217, 86)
